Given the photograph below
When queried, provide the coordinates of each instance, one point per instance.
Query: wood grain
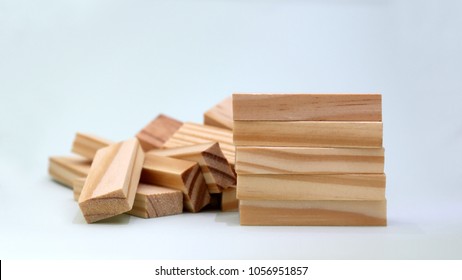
(177, 174)
(65, 170)
(214, 165)
(229, 201)
(308, 134)
(220, 115)
(312, 187)
(150, 201)
(111, 184)
(313, 213)
(307, 107)
(191, 133)
(87, 145)
(157, 132)
(304, 160)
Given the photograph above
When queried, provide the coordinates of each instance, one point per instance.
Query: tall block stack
(310, 159)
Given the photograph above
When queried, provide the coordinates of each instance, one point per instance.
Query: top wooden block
(307, 107)
(157, 132)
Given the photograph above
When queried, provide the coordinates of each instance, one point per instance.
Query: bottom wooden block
(313, 213)
(229, 202)
(150, 201)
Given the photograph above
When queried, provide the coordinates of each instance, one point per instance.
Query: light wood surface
(191, 133)
(154, 135)
(214, 165)
(313, 213)
(87, 145)
(307, 107)
(229, 202)
(304, 160)
(150, 201)
(177, 174)
(308, 134)
(220, 115)
(111, 184)
(65, 169)
(312, 187)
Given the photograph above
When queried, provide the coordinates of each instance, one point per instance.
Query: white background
(109, 67)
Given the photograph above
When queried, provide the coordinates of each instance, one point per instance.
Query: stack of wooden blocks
(310, 159)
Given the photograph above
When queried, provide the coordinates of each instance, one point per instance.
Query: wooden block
(154, 135)
(77, 187)
(313, 213)
(87, 145)
(220, 115)
(311, 187)
(229, 202)
(111, 184)
(66, 169)
(215, 167)
(191, 133)
(154, 201)
(177, 174)
(150, 201)
(308, 134)
(303, 160)
(307, 107)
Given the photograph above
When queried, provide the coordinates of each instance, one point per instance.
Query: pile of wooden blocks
(167, 168)
(310, 159)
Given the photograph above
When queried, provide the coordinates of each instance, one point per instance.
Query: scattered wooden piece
(157, 132)
(150, 201)
(177, 174)
(191, 133)
(304, 160)
(313, 213)
(220, 115)
(215, 167)
(154, 201)
(311, 187)
(229, 202)
(308, 134)
(66, 169)
(307, 107)
(87, 145)
(111, 184)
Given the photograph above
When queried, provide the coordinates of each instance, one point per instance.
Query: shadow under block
(221, 115)
(157, 132)
(66, 169)
(87, 145)
(313, 213)
(229, 202)
(308, 134)
(311, 187)
(177, 174)
(191, 133)
(150, 201)
(215, 167)
(307, 107)
(111, 184)
(307, 160)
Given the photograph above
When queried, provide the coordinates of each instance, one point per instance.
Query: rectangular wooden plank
(177, 174)
(111, 183)
(191, 133)
(307, 107)
(220, 115)
(157, 132)
(229, 201)
(308, 134)
(215, 167)
(65, 169)
(150, 201)
(313, 213)
(87, 145)
(311, 187)
(307, 160)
